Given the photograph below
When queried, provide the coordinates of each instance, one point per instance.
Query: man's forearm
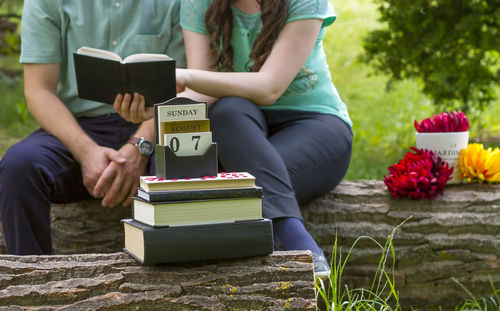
(146, 130)
(55, 118)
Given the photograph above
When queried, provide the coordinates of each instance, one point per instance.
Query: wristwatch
(145, 146)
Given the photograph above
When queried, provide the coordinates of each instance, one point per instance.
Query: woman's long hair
(219, 23)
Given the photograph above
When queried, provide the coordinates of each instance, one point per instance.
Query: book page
(98, 53)
(145, 57)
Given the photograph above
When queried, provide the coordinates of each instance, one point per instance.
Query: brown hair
(219, 23)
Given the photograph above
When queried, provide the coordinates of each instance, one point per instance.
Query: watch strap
(134, 140)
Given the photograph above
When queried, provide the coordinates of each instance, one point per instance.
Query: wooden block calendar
(184, 146)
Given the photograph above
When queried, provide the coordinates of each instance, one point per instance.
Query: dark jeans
(295, 156)
(40, 170)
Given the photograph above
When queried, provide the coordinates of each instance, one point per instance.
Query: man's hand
(94, 161)
(119, 181)
(133, 109)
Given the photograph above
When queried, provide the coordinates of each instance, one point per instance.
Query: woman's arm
(200, 57)
(289, 53)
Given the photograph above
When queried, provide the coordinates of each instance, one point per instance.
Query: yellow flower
(476, 163)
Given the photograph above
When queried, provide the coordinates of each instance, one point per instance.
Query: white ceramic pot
(447, 145)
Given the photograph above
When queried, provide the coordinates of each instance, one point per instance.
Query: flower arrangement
(478, 164)
(420, 174)
(444, 122)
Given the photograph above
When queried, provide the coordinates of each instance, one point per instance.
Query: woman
(275, 111)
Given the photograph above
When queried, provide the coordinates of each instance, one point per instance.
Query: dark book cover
(200, 194)
(101, 79)
(170, 166)
(198, 242)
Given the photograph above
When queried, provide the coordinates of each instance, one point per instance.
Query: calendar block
(188, 144)
(169, 165)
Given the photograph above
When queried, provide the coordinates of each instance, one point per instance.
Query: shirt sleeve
(175, 46)
(40, 32)
(311, 9)
(193, 15)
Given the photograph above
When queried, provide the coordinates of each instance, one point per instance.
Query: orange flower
(476, 163)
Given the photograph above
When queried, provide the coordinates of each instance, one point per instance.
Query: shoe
(321, 266)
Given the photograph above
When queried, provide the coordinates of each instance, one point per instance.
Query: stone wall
(280, 281)
(456, 235)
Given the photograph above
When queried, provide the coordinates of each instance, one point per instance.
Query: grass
(473, 303)
(382, 295)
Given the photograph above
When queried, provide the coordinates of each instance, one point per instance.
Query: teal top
(52, 30)
(312, 89)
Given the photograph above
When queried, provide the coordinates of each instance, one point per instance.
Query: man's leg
(33, 173)
(40, 170)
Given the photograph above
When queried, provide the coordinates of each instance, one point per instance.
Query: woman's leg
(316, 149)
(240, 129)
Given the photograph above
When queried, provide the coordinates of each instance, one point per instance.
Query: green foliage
(382, 120)
(11, 43)
(452, 47)
(15, 120)
(11, 6)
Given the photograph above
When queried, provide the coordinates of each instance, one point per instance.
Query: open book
(102, 74)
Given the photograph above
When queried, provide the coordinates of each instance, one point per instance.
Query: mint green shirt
(52, 30)
(312, 89)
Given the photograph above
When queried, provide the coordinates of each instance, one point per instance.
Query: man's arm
(119, 182)
(40, 88)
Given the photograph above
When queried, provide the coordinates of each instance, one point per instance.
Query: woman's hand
(133, 109)
(180, 79)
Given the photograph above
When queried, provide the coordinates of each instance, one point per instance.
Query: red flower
(418, 175)
(444, 122)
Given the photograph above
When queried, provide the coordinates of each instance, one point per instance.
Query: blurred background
(393, 62)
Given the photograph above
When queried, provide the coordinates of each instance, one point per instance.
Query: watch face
(145, 147)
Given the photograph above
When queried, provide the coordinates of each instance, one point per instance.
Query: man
(84, 148)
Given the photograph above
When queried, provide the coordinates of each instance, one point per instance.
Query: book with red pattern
(222, 180)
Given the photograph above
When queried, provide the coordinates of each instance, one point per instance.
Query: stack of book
(184, 214)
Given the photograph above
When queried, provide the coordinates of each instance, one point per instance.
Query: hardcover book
(221, 180)
(194, 243)
(202, 194)
(101, 75)
(179, 213)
